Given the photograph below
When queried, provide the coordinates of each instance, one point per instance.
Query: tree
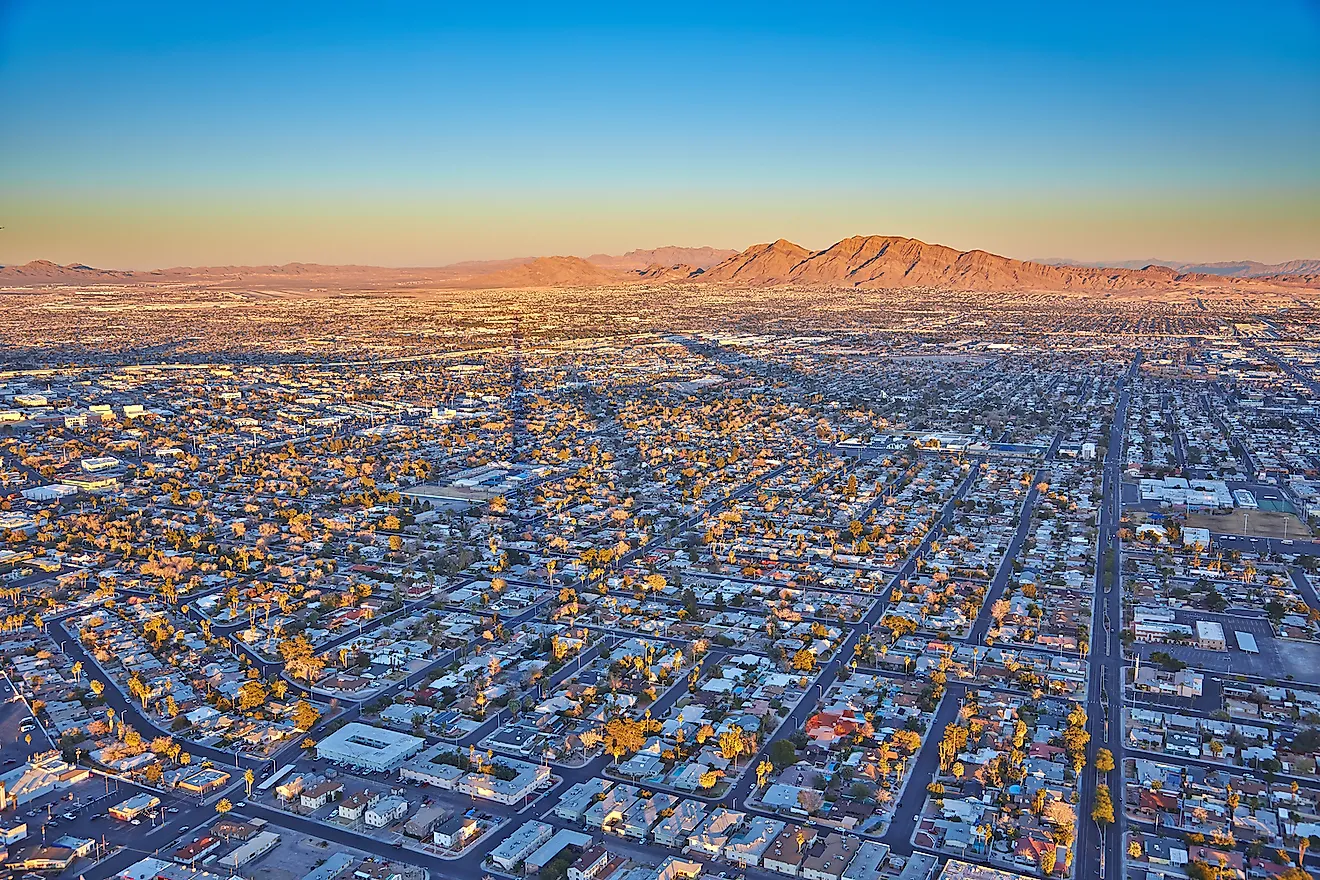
(623, 736)
(1102, 806)
(1048, 858)
(810, 799)
(300, 658)
(248, 778)
(223, 806)
(804, 660)
(783, 753)
(763, 771)
(1104, 760)
(152, 774)
(98, 688)
(251, 694)
(305, 716)
(732, 744)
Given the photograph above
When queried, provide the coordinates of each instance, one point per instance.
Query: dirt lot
(1259, 523)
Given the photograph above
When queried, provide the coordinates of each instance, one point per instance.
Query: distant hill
(1229, 269)
(696, 257)
(884, 261)
(46, 272)
(549, 272)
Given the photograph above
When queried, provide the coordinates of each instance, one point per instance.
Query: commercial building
(1210, 636)
(250, 851)
(41, 858)
(127, 810)
(52, 492)
(367, 748)
(191, 852)
(205, 781)
(159, 869)
(955, 869)
(331, 868)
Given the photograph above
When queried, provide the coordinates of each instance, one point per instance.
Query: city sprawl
(647, 583)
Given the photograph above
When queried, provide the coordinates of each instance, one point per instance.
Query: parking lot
(1279, 659)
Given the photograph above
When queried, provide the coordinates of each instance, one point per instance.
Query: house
(352, 807)
(423, 822)
(574, 802)
(455, 833)
(639, 818)
(520, 844)
(591, 864)
(548, 851)
(321, 794)
(788, 850)
(826, 859)
(716, 831)
(746, 849)
(866, 863)
(673, 830)
(611, 807)
(386, 810)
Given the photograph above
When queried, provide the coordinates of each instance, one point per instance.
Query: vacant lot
(1256, 523)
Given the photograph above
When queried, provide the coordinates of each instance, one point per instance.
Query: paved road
(1100, 854)
(1004, 570)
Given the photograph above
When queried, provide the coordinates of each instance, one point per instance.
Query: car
(27, 727)
(171, 809)
(69, 816)
(11, 762)
(241, 804)
(135, 822)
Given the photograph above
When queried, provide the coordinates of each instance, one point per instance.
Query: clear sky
(144, 134)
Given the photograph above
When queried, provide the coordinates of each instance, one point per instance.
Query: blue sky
(404, 133)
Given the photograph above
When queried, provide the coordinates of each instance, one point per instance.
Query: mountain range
(1230, 268)
(862, 262)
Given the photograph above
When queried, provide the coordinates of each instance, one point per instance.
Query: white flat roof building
(1210, 635)
(368, 748)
